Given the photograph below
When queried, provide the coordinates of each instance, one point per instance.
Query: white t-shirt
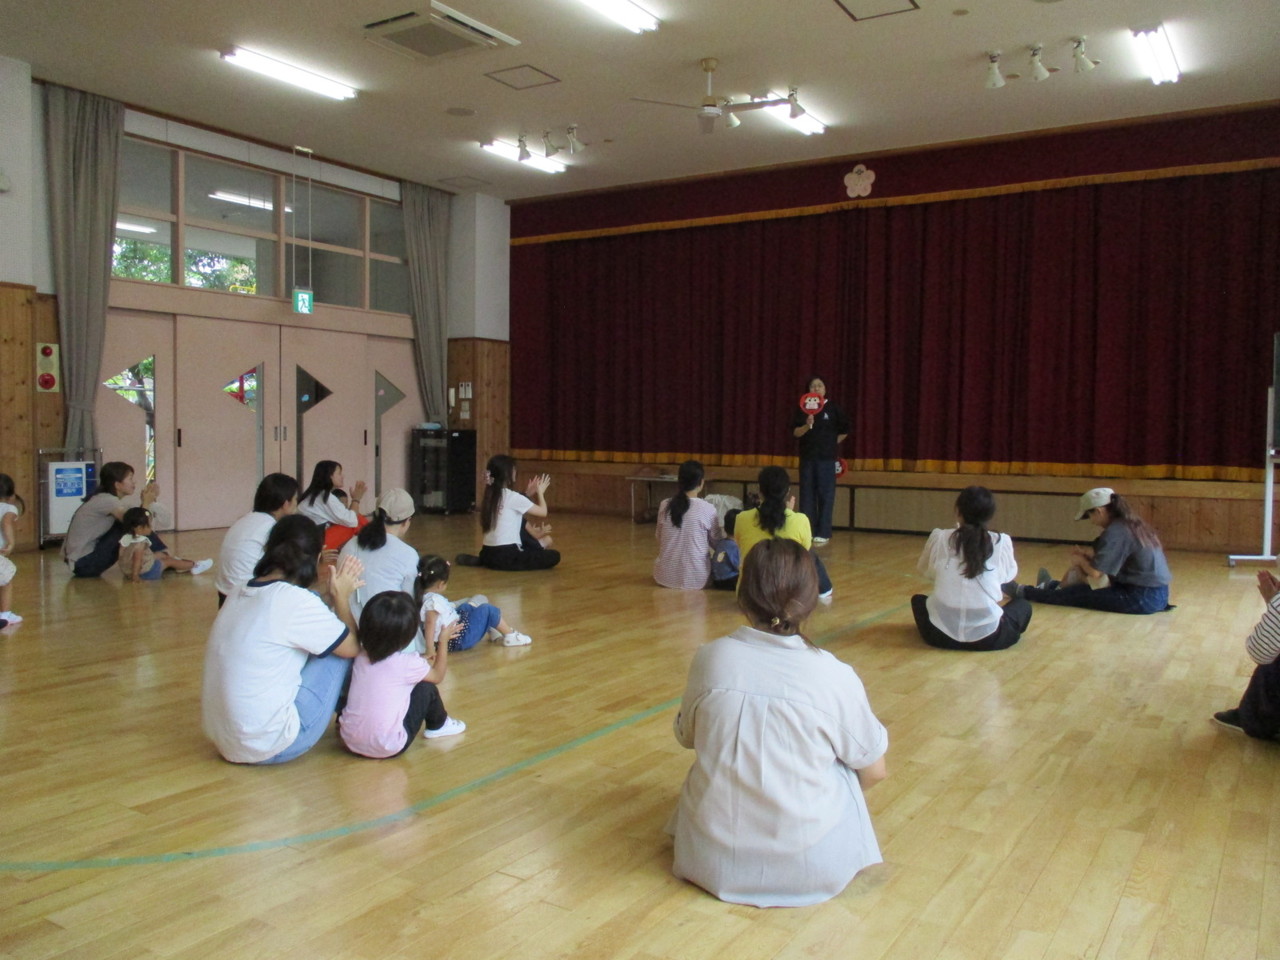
(241, 550)
(446, 612)
(966, 610)
(259, 643)
(328, 510)
(511, 511)
(6, 508)
(393, 566)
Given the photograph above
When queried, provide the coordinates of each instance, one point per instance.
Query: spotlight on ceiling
(994, 80)
(1038, 71)
(1155, 51)
(511, 151)
(575, 145)
(522, 150)
(795, 115)
(1082, 61)
(549, 149)
(288, 73)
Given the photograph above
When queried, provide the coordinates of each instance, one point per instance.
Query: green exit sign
(303, 300)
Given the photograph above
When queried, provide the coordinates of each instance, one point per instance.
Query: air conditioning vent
(440, 33)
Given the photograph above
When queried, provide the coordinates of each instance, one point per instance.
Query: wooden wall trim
(1062, 183)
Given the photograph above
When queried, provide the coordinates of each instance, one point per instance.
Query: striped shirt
(684, 552)
(1264, 643)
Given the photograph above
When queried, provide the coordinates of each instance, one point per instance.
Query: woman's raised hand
(541, 482)
(346, 577)
(150, 493)
(358, 490)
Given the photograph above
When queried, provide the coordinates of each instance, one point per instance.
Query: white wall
(479, 267)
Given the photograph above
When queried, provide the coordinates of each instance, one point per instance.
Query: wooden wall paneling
(49, 408)
(17, 433)
(485, 364)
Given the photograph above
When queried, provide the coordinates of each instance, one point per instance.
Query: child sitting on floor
(476, 615)
(138, 561)
(725, 558)
(393, 690)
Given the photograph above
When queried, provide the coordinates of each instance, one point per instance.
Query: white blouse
(966, 610)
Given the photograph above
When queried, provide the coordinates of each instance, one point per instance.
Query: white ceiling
(896, 81)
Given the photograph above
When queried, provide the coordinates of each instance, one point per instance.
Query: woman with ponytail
(967, 565)
(688, 527)
(776, 518)
(277, 657)
(1124, 571)
(389, 562)
(508, 544)
(772, 811)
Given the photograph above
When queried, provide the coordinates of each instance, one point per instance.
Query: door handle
(179, 436)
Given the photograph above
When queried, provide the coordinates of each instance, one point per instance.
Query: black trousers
(1013, 623)
(425, 706)
(1260, 705)
(529, 555)
(107, 550)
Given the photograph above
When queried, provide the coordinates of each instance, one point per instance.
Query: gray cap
(397, 505)
(1097, 497)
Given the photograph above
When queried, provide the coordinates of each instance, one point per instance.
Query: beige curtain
(82, 135)
(426, 231)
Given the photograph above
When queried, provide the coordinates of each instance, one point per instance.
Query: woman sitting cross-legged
(776, 518)
(967, 565)
(688, 528)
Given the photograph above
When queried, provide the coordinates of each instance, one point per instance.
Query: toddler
(476, 615)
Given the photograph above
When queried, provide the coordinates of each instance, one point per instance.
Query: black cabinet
(442, 470)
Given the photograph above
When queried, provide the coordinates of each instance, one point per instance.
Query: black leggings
(1260, 705)
(528, 554)
(425, 706)
(106, 551)
(1013, 623)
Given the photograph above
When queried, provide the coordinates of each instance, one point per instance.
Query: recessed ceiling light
(288, 73)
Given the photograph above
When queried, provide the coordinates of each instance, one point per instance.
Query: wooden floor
(1066, 798)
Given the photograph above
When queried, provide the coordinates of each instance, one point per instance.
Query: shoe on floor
(828, 595)
(1011, 589)
(449, 728)
(1043, 577)
(467, 560)
(10, 617)
(515, 639)
(1229, 719)
(819, 541)
(201, 566)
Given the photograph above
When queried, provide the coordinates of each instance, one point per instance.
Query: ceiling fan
(715, 108)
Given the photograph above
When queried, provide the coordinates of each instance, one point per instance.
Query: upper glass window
(322, 215)
(236, 196)
(386, 229)
(146, 176)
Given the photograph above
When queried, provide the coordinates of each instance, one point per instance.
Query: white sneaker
(201, 566)
(10, 616)
(819, 541)
(827, 596)
(516, 639)
(450, 728)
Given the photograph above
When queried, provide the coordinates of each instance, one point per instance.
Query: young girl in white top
(319, 502)
(508, 544)
(394, 690)
(968, 564)
(11, 507)
(139, 561)
(477, 616)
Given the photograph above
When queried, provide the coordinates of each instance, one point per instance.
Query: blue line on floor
(99, 863)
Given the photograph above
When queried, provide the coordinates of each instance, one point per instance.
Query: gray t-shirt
(1124, 558)
(91, 520)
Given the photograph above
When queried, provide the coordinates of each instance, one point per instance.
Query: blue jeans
(1117, 598)
(322, 681)
(818, 494)
(480, 619)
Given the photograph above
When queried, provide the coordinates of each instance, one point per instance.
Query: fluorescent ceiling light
(626, 13)
(134, 227)
(258, 203)
(512, 152)
(1155, 52)
(806, 123)
(289, 74)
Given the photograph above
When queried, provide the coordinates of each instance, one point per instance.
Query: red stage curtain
(1071, 331)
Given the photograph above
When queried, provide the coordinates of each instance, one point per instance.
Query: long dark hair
(500, 475)
(690, 479)
(387, 623)
(971, 539)
(275, 490)
(431, 567)
(321, 481)
(772, 512)
(293, 549)
(7, 490)
(112, 473)
(778, 587)
(1118, 510)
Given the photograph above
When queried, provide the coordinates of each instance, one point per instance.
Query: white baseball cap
(1097, 497)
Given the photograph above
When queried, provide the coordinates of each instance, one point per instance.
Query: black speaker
(442, 470)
